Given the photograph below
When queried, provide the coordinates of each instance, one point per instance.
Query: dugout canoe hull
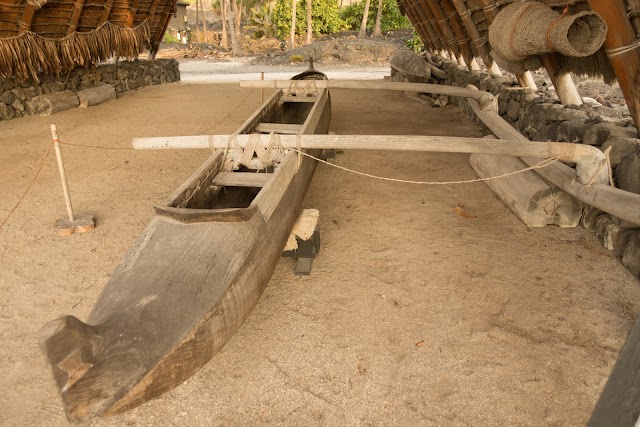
(185, 286)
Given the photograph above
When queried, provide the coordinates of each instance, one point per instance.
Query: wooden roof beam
(622, 50)
(132, 13)
(462, 38)
(75, 17)
(107, 11)
(29, 12)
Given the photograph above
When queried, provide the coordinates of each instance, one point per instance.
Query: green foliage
(170, 38)
(262, 21)
(414, 43)
(391, 18)
(324, 15)
(296, 58)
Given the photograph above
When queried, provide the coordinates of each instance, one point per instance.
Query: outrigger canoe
(194, 275)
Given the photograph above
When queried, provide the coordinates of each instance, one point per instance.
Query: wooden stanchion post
(81, 223)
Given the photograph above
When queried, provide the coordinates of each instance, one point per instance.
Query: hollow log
(532, 200)
(621, 204)
(51, 103)
(622, 51)
(96, 95)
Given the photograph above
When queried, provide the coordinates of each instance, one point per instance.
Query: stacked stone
(542, 119)
(15, 97)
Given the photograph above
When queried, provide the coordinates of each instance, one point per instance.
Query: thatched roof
(462, 27)
(56, 36)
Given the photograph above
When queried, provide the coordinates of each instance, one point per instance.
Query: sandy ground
(413, 315)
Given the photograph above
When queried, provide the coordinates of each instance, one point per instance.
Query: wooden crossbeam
(485, 99)
(241, 179)
(288, 98)
(285, 128)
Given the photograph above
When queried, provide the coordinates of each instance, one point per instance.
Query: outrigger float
(198, 269)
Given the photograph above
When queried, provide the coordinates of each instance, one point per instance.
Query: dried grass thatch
(29, 54)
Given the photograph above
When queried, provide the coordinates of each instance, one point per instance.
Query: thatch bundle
(524, 30)
(26, 55)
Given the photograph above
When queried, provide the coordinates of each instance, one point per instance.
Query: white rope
(542, 164)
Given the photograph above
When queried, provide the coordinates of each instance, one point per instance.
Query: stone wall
(15, 97)
(542, 118)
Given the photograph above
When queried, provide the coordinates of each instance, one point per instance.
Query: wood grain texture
(619, 403)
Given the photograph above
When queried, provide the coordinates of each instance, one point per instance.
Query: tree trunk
(197, 19)
(292, 35)
(236, 47)
(376, 31)
(309, 23)
(204, 22)
(224, 42)
(365, 16)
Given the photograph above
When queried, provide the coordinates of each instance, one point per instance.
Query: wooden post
(78, 224)
(562, 81)
(155, 45)
(204, 22)
(262, 89)
(622, 51)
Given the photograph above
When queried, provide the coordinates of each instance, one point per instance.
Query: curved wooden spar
(622, 204)
(589, 160)
(486, 100)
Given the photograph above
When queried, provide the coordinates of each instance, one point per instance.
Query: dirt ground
(413, 315)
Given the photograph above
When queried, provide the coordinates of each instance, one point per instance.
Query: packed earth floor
(427, 305)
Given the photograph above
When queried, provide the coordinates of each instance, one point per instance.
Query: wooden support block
(241, 179)
(289, 129)
(526, 194)
(51, 103)
(96, 95)
(80, 224)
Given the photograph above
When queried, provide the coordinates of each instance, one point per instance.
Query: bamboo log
(587, 158)
(96, 95)
(419, 24)
(447, 44)
(621, 204)
(155, 44)
(472, 30)
(485, 99)
(29, 12)
(447, 32)
(562, 81)
(625, 62)
(468, 50)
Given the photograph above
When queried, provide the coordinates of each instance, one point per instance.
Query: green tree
(325, 17)
(390, 19)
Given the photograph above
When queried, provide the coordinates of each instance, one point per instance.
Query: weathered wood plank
(285, 128)
(241, 179)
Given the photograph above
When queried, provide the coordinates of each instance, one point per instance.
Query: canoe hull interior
(183, 289)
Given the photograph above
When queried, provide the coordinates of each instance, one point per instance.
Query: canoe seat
(285, 128)
(289, 98)
(241, 179)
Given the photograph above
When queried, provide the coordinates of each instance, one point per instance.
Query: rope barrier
(28, 188)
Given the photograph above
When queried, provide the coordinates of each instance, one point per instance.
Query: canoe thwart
(241, 179)
(286, 128)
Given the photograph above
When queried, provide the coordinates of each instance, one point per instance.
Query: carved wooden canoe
(192, 277)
